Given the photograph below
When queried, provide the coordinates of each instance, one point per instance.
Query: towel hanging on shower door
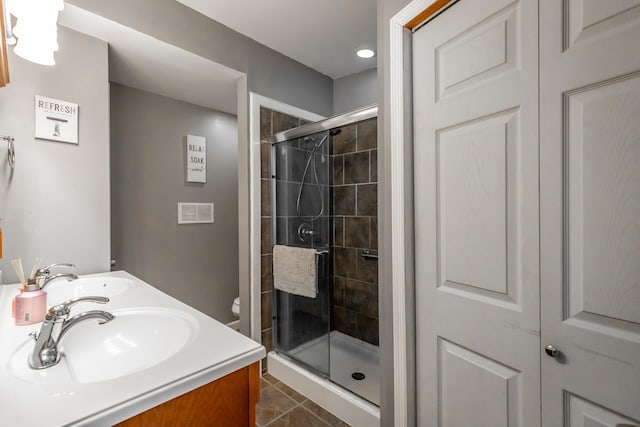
(295, 270)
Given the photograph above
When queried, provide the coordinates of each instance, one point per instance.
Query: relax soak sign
(56, 120)
(196, 159)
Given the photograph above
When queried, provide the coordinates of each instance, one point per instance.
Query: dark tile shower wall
(352, 201)
(271, 122)
(354, 157)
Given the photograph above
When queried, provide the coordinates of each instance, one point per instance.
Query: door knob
(552, 351)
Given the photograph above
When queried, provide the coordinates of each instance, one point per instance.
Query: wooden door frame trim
(432, 9)
(400, 113)
(4, 54)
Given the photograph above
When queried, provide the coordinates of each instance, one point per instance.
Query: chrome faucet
(45, 352)
(43, 275)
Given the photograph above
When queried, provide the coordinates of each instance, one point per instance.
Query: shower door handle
(367, 255)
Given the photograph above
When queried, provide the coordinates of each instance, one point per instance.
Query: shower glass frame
(306, 338)
(317, 363)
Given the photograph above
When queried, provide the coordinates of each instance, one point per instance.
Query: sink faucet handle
(62, 310)
(43, 275)
(46, 270)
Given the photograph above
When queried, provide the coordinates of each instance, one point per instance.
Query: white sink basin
(61, 290)
(135, 340)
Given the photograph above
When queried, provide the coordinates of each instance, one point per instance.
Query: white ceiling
(322, 34)
(143, 62)
(312, 32)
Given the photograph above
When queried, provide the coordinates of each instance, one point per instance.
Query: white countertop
(215, 351)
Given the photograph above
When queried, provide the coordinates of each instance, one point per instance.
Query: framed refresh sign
(196, 159)
(56, 120)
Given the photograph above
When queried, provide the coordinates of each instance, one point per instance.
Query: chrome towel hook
(11, 150)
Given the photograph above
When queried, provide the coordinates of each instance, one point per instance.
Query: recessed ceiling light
(365, 53)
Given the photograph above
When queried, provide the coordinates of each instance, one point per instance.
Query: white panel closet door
(590, 211)
(476, 210)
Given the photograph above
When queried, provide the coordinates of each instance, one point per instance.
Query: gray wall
(55, 205)
(386, 10)
(196, 263)
(355, 91)
(269, 73)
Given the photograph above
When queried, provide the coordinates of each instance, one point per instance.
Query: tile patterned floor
(281, 406)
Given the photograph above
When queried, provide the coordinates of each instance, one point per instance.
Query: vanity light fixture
(36, 29)
(365, 53)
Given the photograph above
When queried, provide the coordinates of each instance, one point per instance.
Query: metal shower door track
(326, 124)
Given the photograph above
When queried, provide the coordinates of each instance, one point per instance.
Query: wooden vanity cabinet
(229, 401)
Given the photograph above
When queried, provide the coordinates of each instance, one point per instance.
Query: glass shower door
(300, 200)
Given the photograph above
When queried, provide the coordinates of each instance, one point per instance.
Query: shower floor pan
(347, 356)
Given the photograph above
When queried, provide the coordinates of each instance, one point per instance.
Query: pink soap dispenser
(31, 305)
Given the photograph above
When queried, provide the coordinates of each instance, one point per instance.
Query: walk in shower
(324, 197)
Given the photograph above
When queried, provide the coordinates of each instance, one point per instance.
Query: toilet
(235, 307)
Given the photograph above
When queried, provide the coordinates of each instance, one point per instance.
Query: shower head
(332, 132)
(316, 144)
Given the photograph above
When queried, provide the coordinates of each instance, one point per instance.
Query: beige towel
(295, 270)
